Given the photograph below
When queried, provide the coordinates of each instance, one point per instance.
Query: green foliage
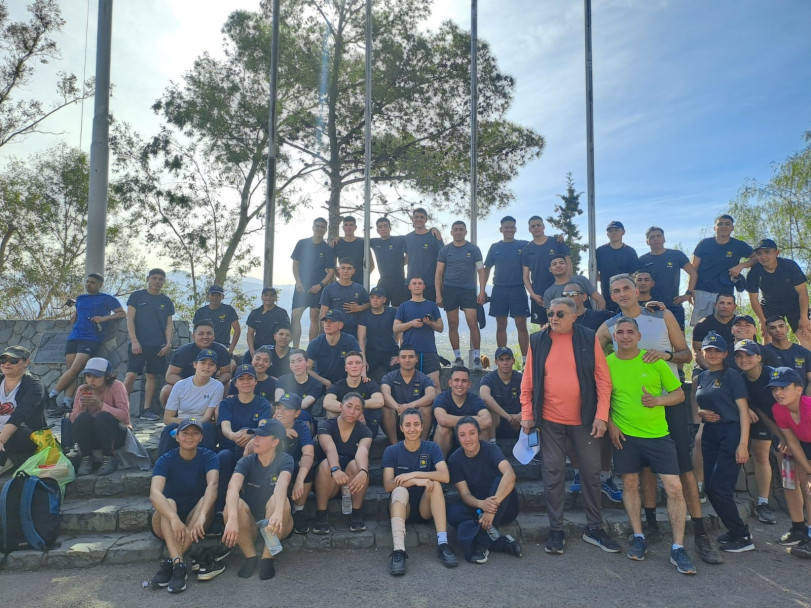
(563, 220)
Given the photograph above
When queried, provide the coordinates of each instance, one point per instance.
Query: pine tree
(564, 221)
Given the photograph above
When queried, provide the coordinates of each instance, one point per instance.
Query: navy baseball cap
(746, 318)
(245, 369)
(784, 376)
(291, 401)
(738, 282)
(504, 350)
(378, 291)
(750, 347)
(615, 224)
(333, 314)
(187, 422)
(98, 367)
(713, 340)
(207, 353)
(216, 289)
(765, 244)
(268, 427)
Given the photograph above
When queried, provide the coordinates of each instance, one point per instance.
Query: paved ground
(583, 576)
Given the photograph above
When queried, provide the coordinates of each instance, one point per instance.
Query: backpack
(29, 513)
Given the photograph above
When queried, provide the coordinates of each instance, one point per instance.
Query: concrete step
(104, 515)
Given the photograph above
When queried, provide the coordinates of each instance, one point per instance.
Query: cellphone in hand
(533, 440)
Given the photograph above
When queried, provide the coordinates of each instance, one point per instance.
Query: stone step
(97, 548)
(104, 515)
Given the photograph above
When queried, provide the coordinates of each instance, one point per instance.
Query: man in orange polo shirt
(566, 393)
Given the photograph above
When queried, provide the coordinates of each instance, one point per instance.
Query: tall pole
(100, 145)
(367, 135)
(270, 197)
(474, 121)
(592, 214)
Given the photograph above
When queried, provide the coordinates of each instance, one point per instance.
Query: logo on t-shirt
(670, 264)
(717, 383)
(6, 409)
(423, 461)
(729, 254)
(799, 362)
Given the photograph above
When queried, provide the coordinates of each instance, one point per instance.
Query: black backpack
(29, 513)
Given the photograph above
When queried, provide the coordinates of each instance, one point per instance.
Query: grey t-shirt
(556, 291)
(260, 481)
(460, 265)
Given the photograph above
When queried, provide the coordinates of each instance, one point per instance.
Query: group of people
(246, 441)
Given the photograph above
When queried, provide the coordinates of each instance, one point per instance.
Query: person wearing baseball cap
(501, 391)
(613, 258)
(21, 406)
(241, 412)
(745, 329)
(326, 352)
(376, 336)
(223, 316)
(783, 290)
(722, 400)
(301, 448)
(258, 491)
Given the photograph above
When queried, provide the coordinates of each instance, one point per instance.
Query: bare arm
(235, 334)
(438, 277)
(691, 282)
(537, 298)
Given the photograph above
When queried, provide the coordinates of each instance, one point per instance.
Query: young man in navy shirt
(376, 335)
(665, 266)
(350, 246)
(535, 260)
(501, 392)
(613, 258)
(407, 388)
(422, 248)
(263, 322)
(451, 405)
(413, 473)
(354, 382)
(418, 319)
(223, 316)
(787, 352)
(327, 351)
(299, 444)
(347, 296)
(389, 252)
(300, 382)
(313, 269)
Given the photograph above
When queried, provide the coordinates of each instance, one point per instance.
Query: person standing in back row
(313, 269)
(263, 322)
(223, 317)
(613, 258)
(422, 248)
(535, 260)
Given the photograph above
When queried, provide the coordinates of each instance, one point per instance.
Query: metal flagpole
(367, 187)
(592, 215)
(100, 145)
(270, 198)
(474, 105)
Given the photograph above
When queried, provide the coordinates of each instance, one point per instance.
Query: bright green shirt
(628, 376)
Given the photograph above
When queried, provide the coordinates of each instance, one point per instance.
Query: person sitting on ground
(788, 353)
(354, 382)
(406, 388)
(303, 384)
(345, 442)
(22, 409)
(265, 383)
(196, 397)
(101, 416)
(299, 444)
(485, 481)
(258, 491)
(501, 392)
(326, 352)
(413, 472)
(451, 405)
(183, 491)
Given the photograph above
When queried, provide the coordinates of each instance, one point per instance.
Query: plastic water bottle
(272, 541)
(492, 531)
(788, 472)
(346, 499)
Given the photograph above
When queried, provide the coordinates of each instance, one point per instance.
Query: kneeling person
(299, 444)
(413, 472)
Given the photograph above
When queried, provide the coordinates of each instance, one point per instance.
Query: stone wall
(33, 334)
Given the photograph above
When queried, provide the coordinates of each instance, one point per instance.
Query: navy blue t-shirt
(717, 391)
(537, 258)
(314, 261)
(264, 388)
(460, 265)
(505, 258)
(379, 332)
(346, 449)
(795, 356)
(151, 315)
(329, 360)
(421, 338)
(778, 288)
(611, 262)
(422, 251)
(221, 318)
(310, 388)
(364, 389)
(185, 479)
(185, 355)
(390, 254)
(717, 259)
(760, 395)
(353, 251)
(424, 458)
(665, 269)
(407, 392)
(506, 395)
(260, 481)
(87, 307)
(471, 407)
(242, 415)
(294, 445)
(336, 295)
(266, 322)
(479, 471)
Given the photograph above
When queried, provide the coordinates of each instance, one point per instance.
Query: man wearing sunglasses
(587, 317)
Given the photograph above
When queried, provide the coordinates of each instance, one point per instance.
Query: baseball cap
(291, 401)
(765, 244)
(750, 347)
(98, 366)
(18, 352)
(746, 318)
(333, 314)
(504, 350)
(207, 353)
(216, 289)
(615, 224)
(784, 376)
(378, 291)
(245, 369)
(269, 290)
(187, 422)
(713, 340)
(738, 282)
(268, 427)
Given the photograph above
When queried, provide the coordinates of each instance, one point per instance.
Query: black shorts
(759, 430)
(538, 315)
(678, 425)
(309, 478)
(659, 453)
(505, 429)
(415, 494)
(510, 301)
(396, 291)
(305, 299)
(807, 449)
(454, 298)
(84, 347)
(428, 363)
(792, 314)
(149, 356)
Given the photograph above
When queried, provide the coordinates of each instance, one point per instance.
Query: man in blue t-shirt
(183, 492)
(451, 405)
(458, 266)
(350, 246)
(93, 309)
(613, 258)
(422, 248)
(787, 352)
(407, 388)
(149, 325)
(509, 296)
(389, 253)
(485, 481)
(326, 353)
(535, 260)
(718, 265)
(223, 316)
(263, 323)
(313, 269)
(236, 414)
(301, 383)
(413, 473)
(418, 320)
(501, 391)
(347, 296)
(376, 334)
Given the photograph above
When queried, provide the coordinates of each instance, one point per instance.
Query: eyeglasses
(11, 360)
(570, 294)
(558, 313)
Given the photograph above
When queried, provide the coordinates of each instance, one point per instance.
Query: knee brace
(400, 495)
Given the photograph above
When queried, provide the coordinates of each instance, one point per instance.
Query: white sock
(441, 538)
(762, 501)
(457, 353)
(297, 508)
(605, 475)
(477, 354)
(53, 393)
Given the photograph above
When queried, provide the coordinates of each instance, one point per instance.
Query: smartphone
(534, 440)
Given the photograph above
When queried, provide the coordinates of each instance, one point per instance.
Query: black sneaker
(356, 522)
(300, 525)
(447, 556)
(557, 539)
(321, 524)
(724, 538)
(599, 538)
(802, 549)
(765, 514)
(209, 567)
(217, 526)
(479, 555)
(651, 531)
(706, 551)
(164, 574)
(792, 537)
(638, 549)
(680, 559)
(739, 544)
(397, 562)
(151, 416)
(108, 466)
(512, 546)
(220, 553)
(178, 580)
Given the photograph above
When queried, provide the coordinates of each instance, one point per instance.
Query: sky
(691, 98)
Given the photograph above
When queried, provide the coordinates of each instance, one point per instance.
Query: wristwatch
(689, 292)
(333, 469)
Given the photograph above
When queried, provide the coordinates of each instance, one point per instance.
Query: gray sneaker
(85, 467)
(680, 559)
(600, 538)
(765, 514)
(458, 362)
(477, 365)
(108, 466)
(150, 415)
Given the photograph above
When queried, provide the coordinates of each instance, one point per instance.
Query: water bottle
(788, 472)
(492, 531)
(272, 541)
(346, 500)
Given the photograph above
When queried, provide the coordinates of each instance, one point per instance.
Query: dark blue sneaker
(638, 549)
(610, 489)
(599, 538)
(680, 559)
(574, 487)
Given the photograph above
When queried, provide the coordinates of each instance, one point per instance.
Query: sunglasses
(11, 360)
(558, 313)
(570, 294)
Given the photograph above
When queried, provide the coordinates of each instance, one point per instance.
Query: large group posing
(247, 440)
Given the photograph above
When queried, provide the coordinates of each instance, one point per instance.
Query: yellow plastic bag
(45, 440)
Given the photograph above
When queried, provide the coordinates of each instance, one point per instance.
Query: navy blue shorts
(415, 494)
(85, 347)
(305, 299)
(428, 363)
(149, 357)
(659, 453)
(512, 301)
(454, 298)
